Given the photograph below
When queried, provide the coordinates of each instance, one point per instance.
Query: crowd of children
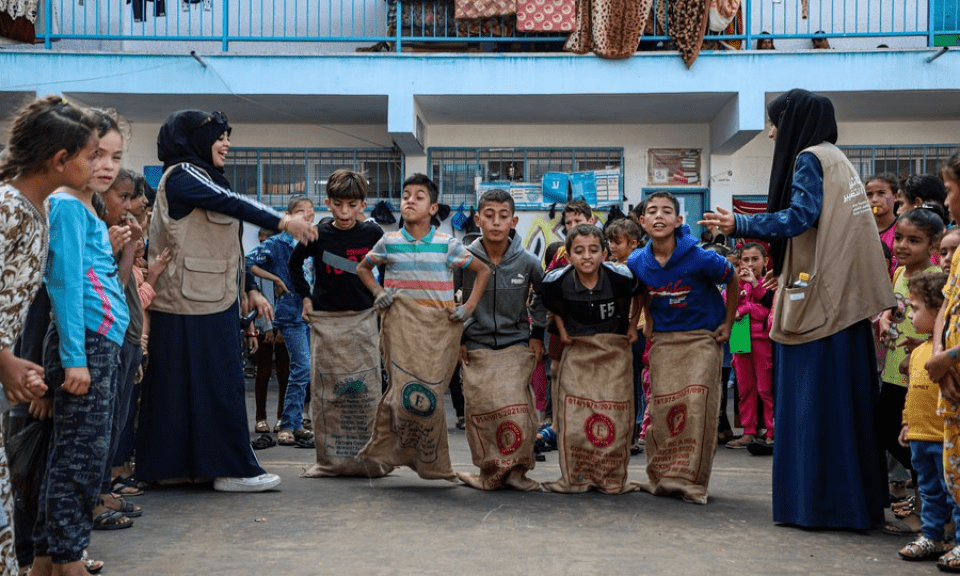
(639, 314)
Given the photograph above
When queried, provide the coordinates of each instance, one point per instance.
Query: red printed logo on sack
(509, 438)
(600, 430)
(677, 419)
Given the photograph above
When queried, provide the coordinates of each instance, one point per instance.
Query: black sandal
(263, 442)
(111, 520)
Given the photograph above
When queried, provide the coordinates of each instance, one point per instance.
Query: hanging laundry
(18, 20)
(609, 28)
(139, 14)
(466, 9)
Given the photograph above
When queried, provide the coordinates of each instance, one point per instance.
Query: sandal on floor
(904, 526)
(111, 520)
(264, 441)
(306, 443)
(303, 434)
(923, 548)
(262, 427)
(903, 508)
(286, 438)
(92, 566)
(127, 509)
(950, 562)
(125, 487)
(307, 423)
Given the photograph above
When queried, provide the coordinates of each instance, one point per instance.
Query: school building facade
(314, 85)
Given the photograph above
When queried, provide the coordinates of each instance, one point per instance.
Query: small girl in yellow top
(923, 427)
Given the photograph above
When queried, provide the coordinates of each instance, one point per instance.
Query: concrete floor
(404, 525)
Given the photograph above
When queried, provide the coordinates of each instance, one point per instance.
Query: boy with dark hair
(269, 261)
(690, 323)
(345, 382)
(499, 346)
(420, 332)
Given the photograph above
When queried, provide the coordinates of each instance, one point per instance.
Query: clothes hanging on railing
(18, 20)
(484, 8)
(610, 28)
(139, 14)
(185, 5)
(688, 25)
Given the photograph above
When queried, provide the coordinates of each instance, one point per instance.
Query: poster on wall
(673, 167)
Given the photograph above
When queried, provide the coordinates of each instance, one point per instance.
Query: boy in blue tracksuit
(690, 322)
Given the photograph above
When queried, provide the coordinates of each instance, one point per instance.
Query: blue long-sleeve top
(273, 255)
(188, 188)
(82, 279)
(806, 200)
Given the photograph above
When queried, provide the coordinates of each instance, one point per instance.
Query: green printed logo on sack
(509, 438)
(600, 430)
(352, 388)
(418, 399)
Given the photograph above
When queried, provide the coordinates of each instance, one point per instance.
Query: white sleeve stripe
(209, 183)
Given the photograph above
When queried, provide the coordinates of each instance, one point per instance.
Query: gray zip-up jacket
(502, 317)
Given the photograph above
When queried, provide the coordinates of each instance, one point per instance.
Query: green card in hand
(740, 336)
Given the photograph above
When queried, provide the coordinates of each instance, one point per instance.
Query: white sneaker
(254, 484)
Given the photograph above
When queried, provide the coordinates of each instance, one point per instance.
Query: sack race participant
(593, 389)
(500, 418)
(684, 408)
(420, 347)
(345, 388)
(593, 414)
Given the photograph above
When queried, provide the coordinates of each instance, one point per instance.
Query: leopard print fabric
(610, 28)
(8, 551)
(688, 25)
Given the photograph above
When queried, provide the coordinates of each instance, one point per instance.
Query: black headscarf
(188, 135)
(803, 119)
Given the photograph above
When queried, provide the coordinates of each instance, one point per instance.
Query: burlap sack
(345, 389)
(420, 348)
(593, 415)
(498, 405)
(684, 410)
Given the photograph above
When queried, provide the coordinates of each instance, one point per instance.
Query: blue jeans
(936, 502)
(297, 338)
(78, 450)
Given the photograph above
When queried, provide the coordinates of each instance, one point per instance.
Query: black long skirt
(193, 416)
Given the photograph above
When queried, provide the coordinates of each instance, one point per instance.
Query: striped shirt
(422, 269)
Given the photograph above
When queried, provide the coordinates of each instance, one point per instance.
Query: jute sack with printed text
(593, 415)
(420, 348)
(499, 410)
(684, 410)
(345, 388)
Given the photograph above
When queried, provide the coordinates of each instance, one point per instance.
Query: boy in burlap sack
(499, 352)
(345, 380)
(420, 332)
(593, 389)
(690, 322)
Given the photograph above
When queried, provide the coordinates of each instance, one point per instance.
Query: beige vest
(206, 256)
(849, 278)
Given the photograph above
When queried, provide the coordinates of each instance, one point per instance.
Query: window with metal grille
(273, 175)
(458, 171)
(900, 160)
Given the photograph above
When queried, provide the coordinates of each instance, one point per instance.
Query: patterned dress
(23, 258)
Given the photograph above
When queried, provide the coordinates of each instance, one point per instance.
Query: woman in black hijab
(193, 421)
(828, 470)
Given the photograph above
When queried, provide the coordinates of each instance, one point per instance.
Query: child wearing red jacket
(754, 369)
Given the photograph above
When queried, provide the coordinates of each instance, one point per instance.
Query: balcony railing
(392, 25)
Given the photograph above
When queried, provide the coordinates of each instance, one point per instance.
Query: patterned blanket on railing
(610, 28)
(435, 18)
(18, 19)
(466, 9)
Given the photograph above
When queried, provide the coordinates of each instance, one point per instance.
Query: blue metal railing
(391, 24)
